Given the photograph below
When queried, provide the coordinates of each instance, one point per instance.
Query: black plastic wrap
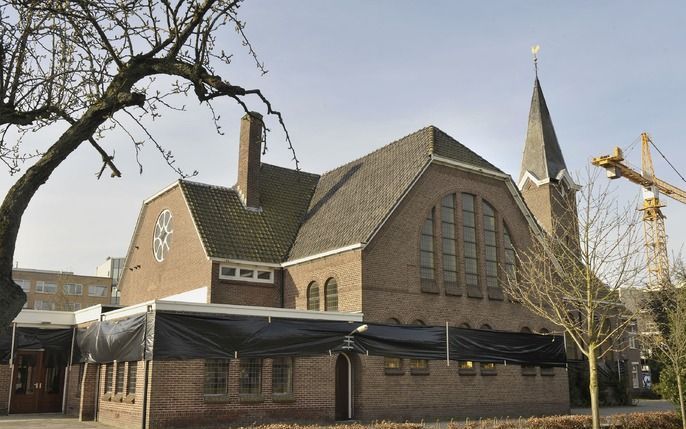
(110, 340)
(55, 342)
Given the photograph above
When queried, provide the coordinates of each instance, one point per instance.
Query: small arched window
(313, 296)
(392, 365)
(486, 327)
(331, 295)
(525, 330)
(419, 366)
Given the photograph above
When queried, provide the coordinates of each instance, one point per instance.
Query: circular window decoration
(161, 241)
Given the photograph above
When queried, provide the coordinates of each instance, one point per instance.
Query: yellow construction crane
(653, 219)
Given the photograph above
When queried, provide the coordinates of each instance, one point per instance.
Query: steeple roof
(542, 155)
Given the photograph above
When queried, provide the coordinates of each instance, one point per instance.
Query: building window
(635, 381)
(465, 367)
(119, 377)
(131, 371)
(97, 290)
(331, 295)
(109, 369)
(72, 306)
(282, 376)
(46, 287)
(251, 376)
(419, 366)
(72, 289)
(487, 368)
(43, 305)
(490, 245)
(246, 274)
(313, 296)
(471, 260)
(510, 261)
(449, 244)
(393, 365)
(216, 376)
(426, 253)
(24, 284)
(632, 335)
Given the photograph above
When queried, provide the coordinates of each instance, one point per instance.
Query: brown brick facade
(5, 374)
(59, 299)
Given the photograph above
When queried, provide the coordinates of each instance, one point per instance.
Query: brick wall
(245, 293)
(185, 267)
(345, 268)
(182, 402)
(5, 374)
(123, 409)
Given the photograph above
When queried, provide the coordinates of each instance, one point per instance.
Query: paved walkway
(643, 406)
(46, 421)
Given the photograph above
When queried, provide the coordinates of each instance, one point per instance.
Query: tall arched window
(471, 259)
(426, 255)
(510, 262)
(313, 296)
(490, 245)
(331, 295)
(449, 244)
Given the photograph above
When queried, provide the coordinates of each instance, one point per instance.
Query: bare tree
(571, 276)
(664, 334)
(86, 67)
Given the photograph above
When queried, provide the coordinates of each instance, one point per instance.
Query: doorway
(344, 376)
(36, 384)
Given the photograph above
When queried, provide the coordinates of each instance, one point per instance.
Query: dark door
(343, 377)
(36, 384)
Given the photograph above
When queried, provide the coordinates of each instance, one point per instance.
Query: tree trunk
(593, 386)
(680, 390)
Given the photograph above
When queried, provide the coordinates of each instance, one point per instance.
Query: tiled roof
(228, 230)
(351, 201)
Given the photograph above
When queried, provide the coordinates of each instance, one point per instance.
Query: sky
(351, 76)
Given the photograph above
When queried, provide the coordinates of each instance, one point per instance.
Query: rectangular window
(471, 260)
(119, 378)
(490, 246)
(634, 375)
(46, 287)
(24, 284)
(426, 255)
(449, 243)
(632, 335)
(259, 275)
(109, 369)
(282, 376)
(73, 289)
(131, 371)
(510, 269)
(392, 363)
(251, 377)
(43, 305)
(216, 376)
(97, 290)
(72, 306)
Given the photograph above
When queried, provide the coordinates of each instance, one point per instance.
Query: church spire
(542, 155)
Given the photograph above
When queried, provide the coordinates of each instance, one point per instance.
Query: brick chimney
(250, 149)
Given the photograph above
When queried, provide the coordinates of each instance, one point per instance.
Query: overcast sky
(352, 76)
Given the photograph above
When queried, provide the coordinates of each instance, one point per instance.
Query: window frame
(289, 376)
(254, 275)
(393, 365)
(313, 292)
(211, 386)
(473, 228)
(90, 288)
(419, 366)
(24, 284)
(248, 366)
(67, 289)
(131, 374)
(330, 283)
(43, 285)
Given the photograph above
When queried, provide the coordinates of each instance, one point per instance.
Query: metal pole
(146, 366)
(9, 396)
(67, 372)
(564, 343)
(447, 344)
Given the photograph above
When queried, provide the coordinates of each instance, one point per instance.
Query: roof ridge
(290, 169)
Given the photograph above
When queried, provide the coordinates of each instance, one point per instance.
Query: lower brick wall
(123, 409)
(178, 400)
(73, 391)
(4, 388)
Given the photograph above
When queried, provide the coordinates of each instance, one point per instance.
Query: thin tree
(83, 68)
(664, 328)
(571, 276)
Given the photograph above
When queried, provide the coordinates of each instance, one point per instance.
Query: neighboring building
(61, 290)
(418, 232)
(112, 268)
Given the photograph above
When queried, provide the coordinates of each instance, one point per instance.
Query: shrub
(655, 420)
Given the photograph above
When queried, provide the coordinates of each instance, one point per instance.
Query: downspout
(146, 366)
(9, 396)
(283, 287)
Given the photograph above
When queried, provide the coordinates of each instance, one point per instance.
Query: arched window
(331, 295)
(419, 366)
(313, 296)
(426, 255)
(392, 365)
(471, 259)
(449, 244)
(465, 367)
(487, 368)
(510, 261)
(490, 245)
